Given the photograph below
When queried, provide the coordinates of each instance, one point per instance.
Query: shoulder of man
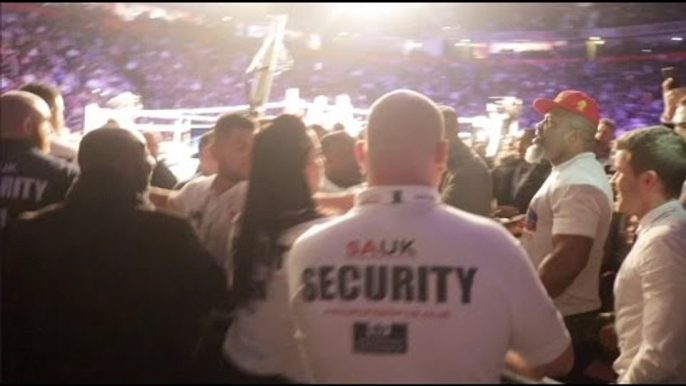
(190, 192)
(670, 234)
(39, 220)
(53, 164)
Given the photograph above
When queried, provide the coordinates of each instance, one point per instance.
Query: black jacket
(100, 289)
(516, 182)
(467, 183)
(30, 180)
(162, 176)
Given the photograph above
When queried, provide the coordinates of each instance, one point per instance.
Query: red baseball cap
(570, 100)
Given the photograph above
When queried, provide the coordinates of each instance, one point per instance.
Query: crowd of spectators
(178, 67)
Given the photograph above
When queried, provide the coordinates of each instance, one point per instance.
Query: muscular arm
(560, 268)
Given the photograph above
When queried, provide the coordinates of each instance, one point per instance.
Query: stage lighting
(372, 10)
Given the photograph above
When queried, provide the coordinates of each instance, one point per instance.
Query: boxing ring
(181, 127)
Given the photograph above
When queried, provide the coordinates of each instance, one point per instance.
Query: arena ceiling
(426, 19)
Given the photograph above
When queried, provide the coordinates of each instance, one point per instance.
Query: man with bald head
(62, 143)
(402, 287)
(29, 178)
(102, 288)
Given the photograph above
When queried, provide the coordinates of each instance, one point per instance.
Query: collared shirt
(576, 199)
(649, 296)
(404, 288)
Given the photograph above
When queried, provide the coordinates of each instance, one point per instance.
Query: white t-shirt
(261, 340)
(211, 214)
(576, 199)
(650, 316)
(406, 289)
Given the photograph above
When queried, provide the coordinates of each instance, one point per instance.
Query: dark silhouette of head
(117, 154)
(340, 165)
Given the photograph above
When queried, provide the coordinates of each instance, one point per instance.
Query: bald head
(24, 116)
(116, 152)
(404, 118)
(405, 138)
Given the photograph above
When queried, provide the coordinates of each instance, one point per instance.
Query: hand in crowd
(671, 96)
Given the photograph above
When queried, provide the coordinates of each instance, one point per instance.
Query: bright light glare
(677, 39)
(372, 10)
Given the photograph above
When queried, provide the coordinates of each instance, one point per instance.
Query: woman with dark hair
(278, 209)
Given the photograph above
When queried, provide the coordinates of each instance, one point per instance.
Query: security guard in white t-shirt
(406, 289)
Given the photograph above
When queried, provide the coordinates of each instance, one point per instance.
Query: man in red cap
(568, 219)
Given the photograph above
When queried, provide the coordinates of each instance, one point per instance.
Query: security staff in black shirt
(29, 178)
(103, 288)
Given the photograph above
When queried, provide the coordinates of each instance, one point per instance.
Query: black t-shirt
(30, 180)
(162, 177)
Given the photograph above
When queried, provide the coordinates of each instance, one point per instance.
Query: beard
(534, 153)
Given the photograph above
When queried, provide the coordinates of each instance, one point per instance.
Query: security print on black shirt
(102, 287)
(29, 178)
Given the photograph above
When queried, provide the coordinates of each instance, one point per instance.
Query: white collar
(658, 214)
(397, 194)
(580, 156)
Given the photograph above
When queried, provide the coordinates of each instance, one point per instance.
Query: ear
(213, 149)
(442, 151)
(650, 179)
(29, 126)
(360, 154)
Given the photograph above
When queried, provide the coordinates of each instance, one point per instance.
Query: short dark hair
(608, 122)
(205, 139)
(337, 140)
(227, 123)
(45, 91)
(661, 150)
